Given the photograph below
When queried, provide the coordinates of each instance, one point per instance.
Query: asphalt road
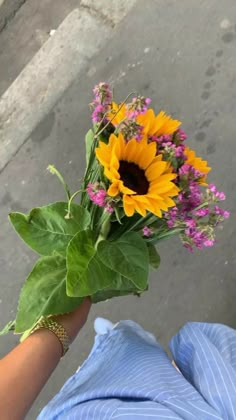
(182, 55)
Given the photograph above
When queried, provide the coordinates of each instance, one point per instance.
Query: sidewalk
(183, 58)
(29, 23)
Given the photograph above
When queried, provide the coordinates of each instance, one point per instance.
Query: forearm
(24, 372)
(26, 369)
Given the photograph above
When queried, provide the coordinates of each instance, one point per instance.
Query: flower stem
(202, 205)
(118, 110)
(54, 171)
(68, 215)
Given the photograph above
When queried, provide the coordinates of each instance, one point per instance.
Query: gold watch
(58, 329)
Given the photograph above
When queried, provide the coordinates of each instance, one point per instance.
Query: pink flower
(98, 112)
(109, 208)
(101, 102)
(138, 106)
(209, 242)
(191, 223)
(146, 231)
(182, 135)
(218, 195)
(99, 196)
(201, 212)
(221, 212)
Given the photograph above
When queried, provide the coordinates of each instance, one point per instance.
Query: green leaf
(9, 327)
(46, 230)
(86, 274)
(44, 293)
(102, 295)
(121, 286)
(89, 141)
(154, 257)
(128, 256)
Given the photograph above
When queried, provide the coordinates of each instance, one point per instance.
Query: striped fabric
(128, 376)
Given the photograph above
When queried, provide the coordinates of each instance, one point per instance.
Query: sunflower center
(133, 177)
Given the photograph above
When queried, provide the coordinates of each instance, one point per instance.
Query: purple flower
(99, 196)
(101, 102)
(201, 212)
(190, 171)
(103, 94)
(146, 231)
(209, 242)
(130, 129)
(179, 152)
(181, 134)
(185, 169)
(191, 223)
(221, 212)
(98, 113)
(217, 195)
(138, 106)
(109, 208)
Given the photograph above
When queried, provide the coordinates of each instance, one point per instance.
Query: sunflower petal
(130, 151)
(155, 170)
(147, 157)
(126, 190)
(128, 206)
(140, 208)
(113, 190)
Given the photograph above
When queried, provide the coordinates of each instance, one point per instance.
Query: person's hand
(74, 321)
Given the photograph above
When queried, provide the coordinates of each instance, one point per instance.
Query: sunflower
(138, 175)
(153, 125)
(157, 125)
(198, 163)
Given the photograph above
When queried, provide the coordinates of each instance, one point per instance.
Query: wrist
(56, 328)
(74, 321)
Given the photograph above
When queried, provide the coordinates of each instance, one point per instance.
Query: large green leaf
(106, 294)
(89, 141)
(121, 286)
(154, 257)
(44, 293)
(128, 256)
(86, 274)
(46, 230)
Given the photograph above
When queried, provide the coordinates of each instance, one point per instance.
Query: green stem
(201, 206)
(156, 238)
(118, 110)
(103, 227)
(143, 221)
(68, 215)
(54, 171)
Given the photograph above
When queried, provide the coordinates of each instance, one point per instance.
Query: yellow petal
(169, 202)
(147, 157)
(161, 188)
(128, 206)
(155, 170)
(154, 208)
(102, 156)
(113, 190)
(114, 163)
(146, 120)
(110, 174)
(130, 150)
(126, 190)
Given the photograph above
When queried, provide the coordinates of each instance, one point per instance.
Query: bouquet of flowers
(142, 184)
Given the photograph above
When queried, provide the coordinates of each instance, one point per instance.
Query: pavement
(182, 55)
(28, 24)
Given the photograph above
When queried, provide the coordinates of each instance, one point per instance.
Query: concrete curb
(51, 71)
(8, 8)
